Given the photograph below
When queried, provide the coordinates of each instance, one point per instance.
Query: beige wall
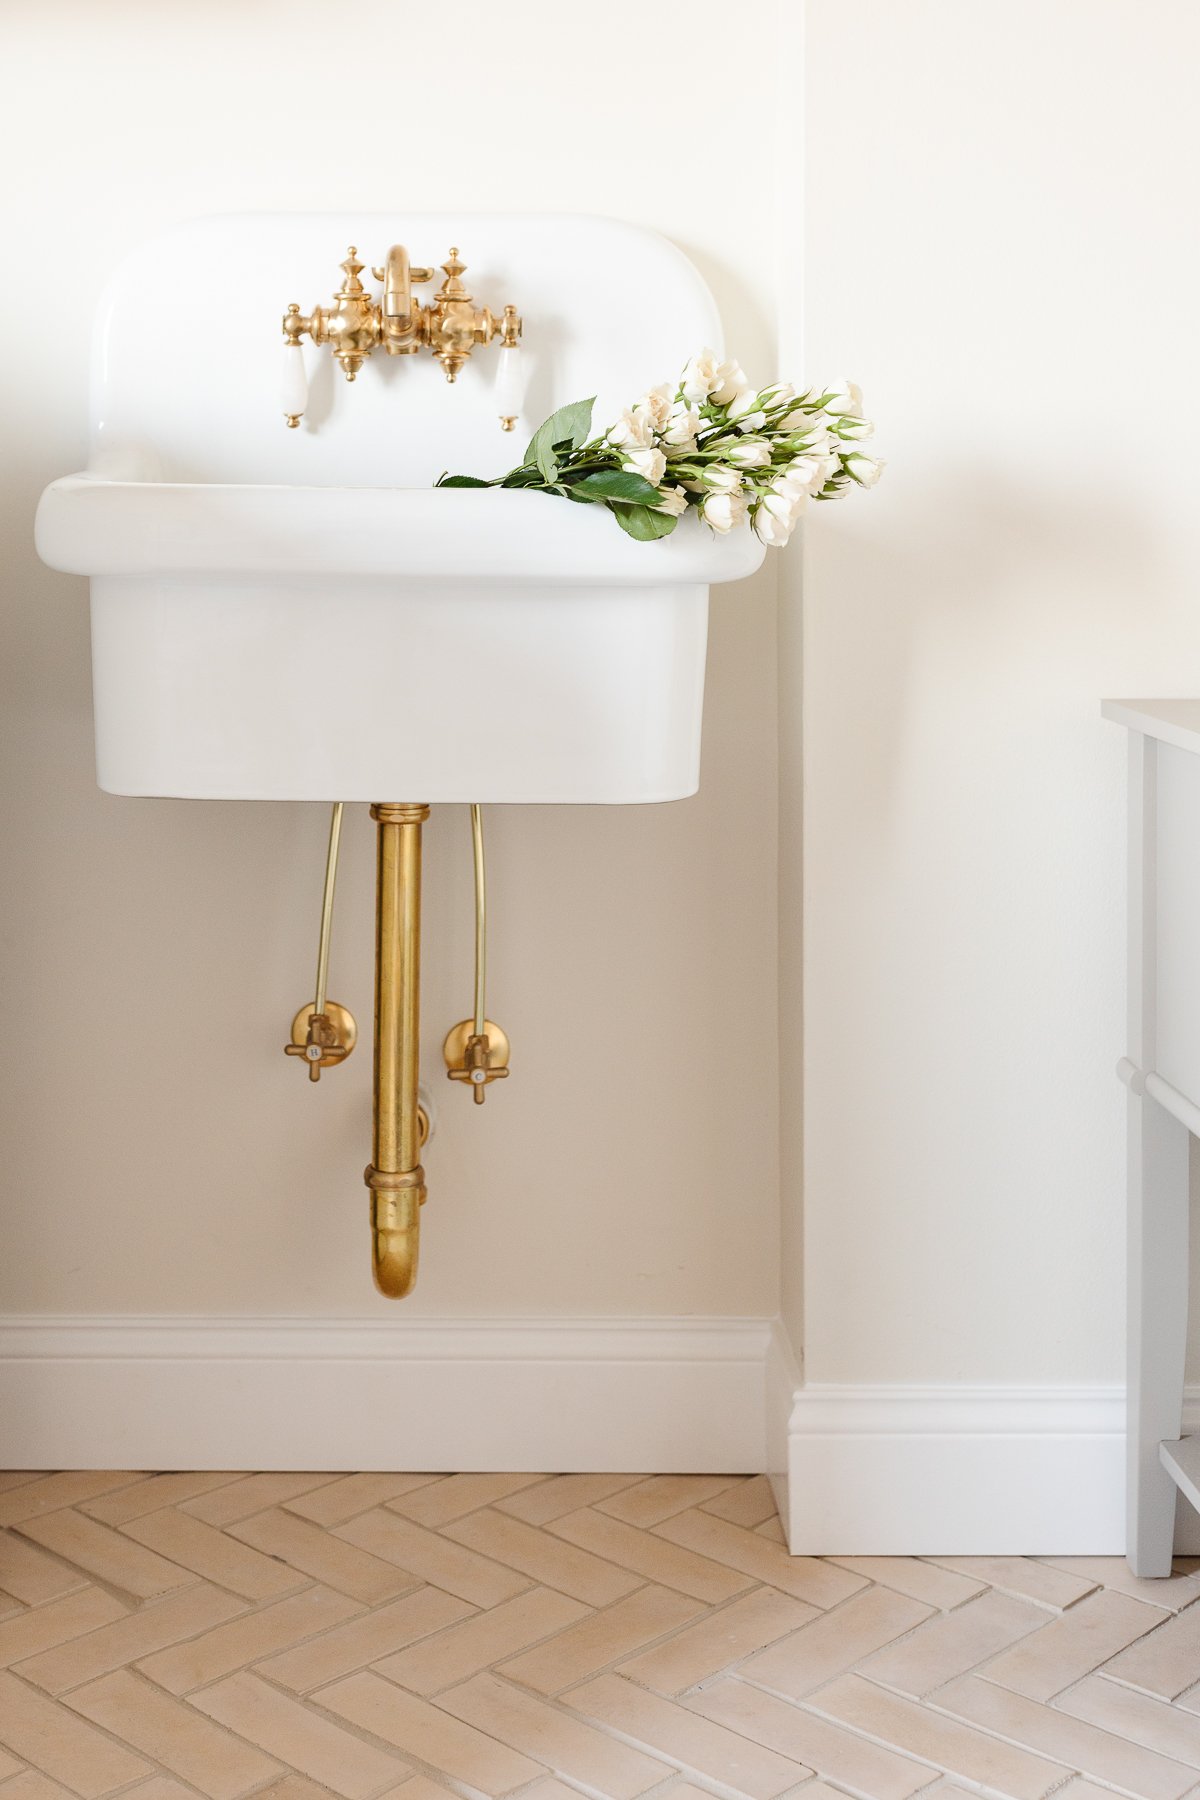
(161, 1155)
(1000, 246)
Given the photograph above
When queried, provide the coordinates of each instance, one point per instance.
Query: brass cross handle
(476, 1058)
(322, 1039)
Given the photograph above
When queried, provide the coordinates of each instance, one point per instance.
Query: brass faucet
(355, 325)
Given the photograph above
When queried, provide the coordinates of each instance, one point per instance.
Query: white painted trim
(954, 1469)
(280, 1393)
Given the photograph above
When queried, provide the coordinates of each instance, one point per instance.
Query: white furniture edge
(888, 1470)
(950, 1469)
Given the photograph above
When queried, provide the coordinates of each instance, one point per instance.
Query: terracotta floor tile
(164, 1787)
(1071, 1646)
(109, 1555)
(323, 1556)
(429, 1734)
(44, 1733)
(770, 1528)
(10, 1766)
(840, 1755)
(11, 1478)
(834, 1641)
(252, 1494)
(718, 1641)
(150, 1628)
(457, 1495)
(561, 1494)
(545, 1559)
(350, 1495)
(1165, 1663)
(377, 1634)
(571, 1749)
(822, 1584)
(31, 1784)
(42, 1627)
(148, 1495)
(230, 1646)
(428, 1556)
(463, 1650)
(173, 1733)
(1179, 1589)
(1083, 1747)
(421, 1788)
(698, 1746)
(948, 1646)
(284, 1728)
(1139, 1717)
(31, 1575)
(657, 1498)
(214, 1554)
(925, 1581)
(750, 1503)
(1047, 1584)
(29, 1500)
(650, 1557)
(596, 1642)
(949, 1744)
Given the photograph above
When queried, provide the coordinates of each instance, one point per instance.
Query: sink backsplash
(186, 355)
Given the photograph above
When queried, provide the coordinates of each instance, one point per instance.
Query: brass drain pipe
(394, 1175)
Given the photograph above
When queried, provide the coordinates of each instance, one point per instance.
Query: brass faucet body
(355, 325)
(394, 1175)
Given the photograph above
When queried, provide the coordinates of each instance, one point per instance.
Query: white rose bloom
(741, 403)
(778, 393)
(700, 375)
(729, 379)
(682, 426)
(786, 507)
(772, 531)
(844, 397)
(723, 511)
(632, 430)
(672, 500)
(797, 419)
(857, 429)
(751, 453)
(651, 464)
(864, 469)
(656, 405)
(722, 480)
(808, 472)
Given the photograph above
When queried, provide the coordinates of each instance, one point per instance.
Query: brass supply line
(394, 1175)
(476, 1050)
(331, 869)
(324, 1033)
(480, 921)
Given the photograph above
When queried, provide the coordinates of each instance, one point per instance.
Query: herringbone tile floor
(410, 1637)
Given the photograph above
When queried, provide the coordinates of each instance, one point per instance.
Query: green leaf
(568, 426)
(617, 484)
(461, 481)
(642, 521)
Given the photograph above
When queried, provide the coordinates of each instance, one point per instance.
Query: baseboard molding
(166, 1393)
(949, 1470)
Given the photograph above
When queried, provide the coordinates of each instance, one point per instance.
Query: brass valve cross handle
(476, 1058)
(322, 1038)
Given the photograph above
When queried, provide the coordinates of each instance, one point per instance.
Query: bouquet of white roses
(711, 442)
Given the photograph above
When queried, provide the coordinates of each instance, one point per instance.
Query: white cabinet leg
(1156, 1325)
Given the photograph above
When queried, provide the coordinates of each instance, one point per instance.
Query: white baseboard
(949, 1470)
(167, 1393)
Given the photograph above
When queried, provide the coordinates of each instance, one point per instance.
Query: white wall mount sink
(300, 615)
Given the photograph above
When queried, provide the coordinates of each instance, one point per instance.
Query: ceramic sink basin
(303, 616)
